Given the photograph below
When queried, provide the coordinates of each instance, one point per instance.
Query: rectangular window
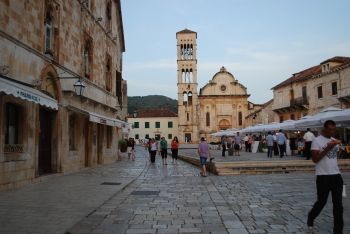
(170, 124)
(240, 118)
(281, 119)
(108, 73)
(71, 123)
(304, 92)
(157, 124)
(136, 125)
(319, 92)
(12, 124)
(109, 136)
(170, 136)
(146, 124)
(334, 88)
(137, 136)
(147, 136)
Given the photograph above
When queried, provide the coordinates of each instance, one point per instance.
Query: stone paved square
(186, 203)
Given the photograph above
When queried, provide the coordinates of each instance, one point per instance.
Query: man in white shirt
(308, 138)
(246, 138)
(324, 153)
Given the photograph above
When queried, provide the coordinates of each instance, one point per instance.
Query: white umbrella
(274, 126)
(340, 117)
(287, 125)
(315, 120)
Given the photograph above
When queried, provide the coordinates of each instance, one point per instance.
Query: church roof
(186, 31)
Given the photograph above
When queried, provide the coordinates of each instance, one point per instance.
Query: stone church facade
(221, 104)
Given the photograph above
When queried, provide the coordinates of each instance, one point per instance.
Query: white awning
(27, 93)
(97, 118)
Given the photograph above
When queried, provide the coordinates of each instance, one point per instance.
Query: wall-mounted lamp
(79, 88)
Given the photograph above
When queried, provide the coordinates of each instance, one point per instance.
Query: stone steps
(262, 167)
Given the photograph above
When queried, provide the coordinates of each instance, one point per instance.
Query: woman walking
(154, 148)
(174, 149)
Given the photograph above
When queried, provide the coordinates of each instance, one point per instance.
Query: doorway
(188, 137)
(100, 137)
(45, 161)
(87, 143)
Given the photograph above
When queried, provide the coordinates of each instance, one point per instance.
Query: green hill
(151, 102)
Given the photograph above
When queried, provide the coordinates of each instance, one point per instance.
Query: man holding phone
(324, 150)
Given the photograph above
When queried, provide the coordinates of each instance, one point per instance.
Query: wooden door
(45, 142)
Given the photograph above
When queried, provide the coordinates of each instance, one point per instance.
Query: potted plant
(263, 146)
(123, 145)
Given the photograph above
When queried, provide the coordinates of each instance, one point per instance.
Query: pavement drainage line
(121, 190)
(227, 205)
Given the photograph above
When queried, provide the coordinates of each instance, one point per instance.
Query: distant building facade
(313, 89)
(46, 125)
(261, 115)
(153, 123)
(221, 104)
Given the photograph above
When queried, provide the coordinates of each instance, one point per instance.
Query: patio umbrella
(340, 117)
(315, 121)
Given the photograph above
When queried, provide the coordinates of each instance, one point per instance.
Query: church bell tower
(187, 86)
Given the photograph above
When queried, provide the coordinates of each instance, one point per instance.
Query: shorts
(129, 150)
(203, 160)
(237, 147)
(164, 153)
(174, 153)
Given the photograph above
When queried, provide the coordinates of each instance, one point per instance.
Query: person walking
(130, 146)
(281, 141)
(164, 150)
(250, 142)
(224, 146)
(153, 149)
(174, 149)
(237, 146)
(308, 138)
(324, 151)
(275, 145)
(204, 155)
(246, 138)
(133, 150)
(269, 142)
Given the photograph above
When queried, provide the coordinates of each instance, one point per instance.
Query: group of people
(228, 143)
(152, 146)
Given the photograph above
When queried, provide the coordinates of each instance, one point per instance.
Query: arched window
(184, 98)
(48, 31)
(87, 58)
(190, 98)
(207, 119)
(240, 119)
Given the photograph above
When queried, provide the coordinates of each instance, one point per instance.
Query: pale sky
(261, 42)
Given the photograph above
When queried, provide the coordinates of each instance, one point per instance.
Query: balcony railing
(300, 101)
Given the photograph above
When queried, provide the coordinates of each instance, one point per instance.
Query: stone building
(220, 104)
(50, 51)
(313, 89)
(153, 123)
(261, 115)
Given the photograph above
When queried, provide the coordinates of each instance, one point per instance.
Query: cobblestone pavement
(174, 199)
(59, 201)
(245, 156)
(177, 200)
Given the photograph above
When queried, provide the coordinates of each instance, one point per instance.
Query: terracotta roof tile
(313, 71)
